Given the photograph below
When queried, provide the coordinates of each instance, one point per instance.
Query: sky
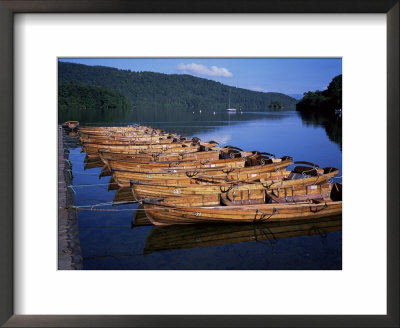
(286, 75)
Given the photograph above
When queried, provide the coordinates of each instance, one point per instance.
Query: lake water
(109, 242)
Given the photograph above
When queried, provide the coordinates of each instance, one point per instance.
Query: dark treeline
(324, 102)
(172, 91)
(275, 105)
(84, 97)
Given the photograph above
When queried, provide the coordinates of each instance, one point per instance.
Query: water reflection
(193, 236)
(332, 124)
(85, 116)
(184, 122)
(71, 139)
(191, 122)
(92, 163)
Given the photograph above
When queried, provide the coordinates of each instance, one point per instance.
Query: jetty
(69, 249)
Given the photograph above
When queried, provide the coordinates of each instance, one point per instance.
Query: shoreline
(69, 249)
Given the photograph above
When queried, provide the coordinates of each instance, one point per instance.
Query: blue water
(109, 243)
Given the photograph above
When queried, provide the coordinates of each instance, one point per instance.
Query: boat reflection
(71, 139)
(92, 162)
(162, 238)
(139, 218)
(124, 196)
(105, 172)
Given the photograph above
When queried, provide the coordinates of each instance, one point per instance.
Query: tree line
(82, 96)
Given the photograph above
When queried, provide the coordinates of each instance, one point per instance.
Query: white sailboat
(229, 109)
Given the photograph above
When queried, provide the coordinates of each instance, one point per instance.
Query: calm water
(109, 242)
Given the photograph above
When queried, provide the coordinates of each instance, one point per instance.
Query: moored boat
(229, 173)
(72, 125)
(197, 186)
(196, 154)
(170, 166)
(164, 214)
(176, 147)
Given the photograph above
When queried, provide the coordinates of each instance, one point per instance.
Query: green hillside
(74, 96)
(176, 91)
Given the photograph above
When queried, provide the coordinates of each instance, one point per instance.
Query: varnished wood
(159, 157)
(197, 186)
(248, 173)
(163, 214)
(72, 125)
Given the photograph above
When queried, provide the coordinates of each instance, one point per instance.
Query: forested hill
(73, 96)
(175, 91)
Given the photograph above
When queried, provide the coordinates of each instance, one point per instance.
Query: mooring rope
(79, 208)
(89, 185)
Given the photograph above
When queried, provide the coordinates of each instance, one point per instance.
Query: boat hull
(162, 214)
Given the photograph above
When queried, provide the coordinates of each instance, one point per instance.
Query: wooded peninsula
(324, 102)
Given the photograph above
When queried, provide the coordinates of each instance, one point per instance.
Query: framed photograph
(259, 85)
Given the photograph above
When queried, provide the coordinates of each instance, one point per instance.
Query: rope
(91, 185)
(91, 207)
(88, 185)
(78, 208)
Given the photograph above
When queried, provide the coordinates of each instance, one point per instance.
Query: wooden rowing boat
(161, 166)
(201, 235)
(245, 196)
(247, 173)
(175, 147)
(202, 154)
(239, 194)
(110, 140)
(196, 186)
(164, 214)
(177, 166)
(160, 157)
(303, 175)
(72, 125)
(115, 146)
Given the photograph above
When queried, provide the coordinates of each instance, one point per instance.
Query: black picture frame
(10, 7)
